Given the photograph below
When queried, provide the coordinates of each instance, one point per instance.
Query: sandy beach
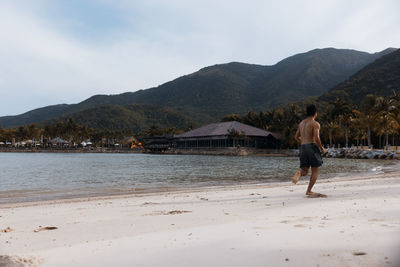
(358, 224)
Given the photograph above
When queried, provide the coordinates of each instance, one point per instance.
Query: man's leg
(313, 179)
(302, 172)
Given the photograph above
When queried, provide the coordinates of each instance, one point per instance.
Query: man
(310, 151)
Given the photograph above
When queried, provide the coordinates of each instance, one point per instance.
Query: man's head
(311, 110)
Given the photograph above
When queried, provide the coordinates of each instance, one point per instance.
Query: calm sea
(46, 176)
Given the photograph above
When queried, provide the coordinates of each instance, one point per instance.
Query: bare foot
(296, 177)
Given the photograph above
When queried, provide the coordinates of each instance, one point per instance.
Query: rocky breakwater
(355, 153)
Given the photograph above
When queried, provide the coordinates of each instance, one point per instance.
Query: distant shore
(69, 150)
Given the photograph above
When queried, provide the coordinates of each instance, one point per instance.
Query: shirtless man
(310, 151)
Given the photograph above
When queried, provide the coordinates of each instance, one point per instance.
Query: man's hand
(322, 150)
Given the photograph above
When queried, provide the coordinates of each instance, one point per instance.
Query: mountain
(212, 92)
(382, 77)
(136, 117)
(237, 88)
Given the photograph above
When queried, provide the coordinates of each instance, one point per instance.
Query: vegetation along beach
(199, 133)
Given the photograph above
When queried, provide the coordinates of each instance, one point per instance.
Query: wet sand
(358, 224)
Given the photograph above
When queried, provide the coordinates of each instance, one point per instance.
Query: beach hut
(158, 143)
(227, 134)
(58, 142)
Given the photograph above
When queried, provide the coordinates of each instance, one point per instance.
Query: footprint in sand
(149, 203)
(375, 220)
(300, 225)
(7, 230)
(173, 212)
(47, 228)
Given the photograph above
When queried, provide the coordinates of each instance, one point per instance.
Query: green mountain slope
(381, 78)
(134, 117)
(212, 92)
(238, 87)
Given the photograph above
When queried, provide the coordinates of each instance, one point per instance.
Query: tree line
(69, 130)
(375, 122)
(73, 132)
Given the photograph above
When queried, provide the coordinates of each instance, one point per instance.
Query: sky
(64, 51)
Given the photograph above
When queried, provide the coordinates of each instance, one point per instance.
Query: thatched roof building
(227, 134)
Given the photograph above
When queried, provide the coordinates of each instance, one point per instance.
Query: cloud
(65, 51)
(39, 63)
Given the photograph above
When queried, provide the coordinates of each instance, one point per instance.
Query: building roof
(225, 128)
(58, 140)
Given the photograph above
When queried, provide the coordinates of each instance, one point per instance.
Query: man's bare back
(308, 132)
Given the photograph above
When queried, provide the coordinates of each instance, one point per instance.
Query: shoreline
(153, 191)
(350, 153)
(361, 176)
(208, 152)
(357, 225)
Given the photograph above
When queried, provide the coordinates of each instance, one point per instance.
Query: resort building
(56, 142)
(158, 143)
(227, 134)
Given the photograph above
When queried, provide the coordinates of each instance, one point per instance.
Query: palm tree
(154, 130)
(2, 134)
(345, 120)
(71, 129)
(395, 102)
(267, 118)
(357, 127)
(22, 133)
(386, 114)
(331, 127)
(369, 115)
(232, 117)
(285, 121)
(342, 112)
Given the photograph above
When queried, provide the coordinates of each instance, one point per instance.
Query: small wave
(377, 169)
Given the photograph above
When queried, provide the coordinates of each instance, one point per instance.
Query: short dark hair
(311, 110)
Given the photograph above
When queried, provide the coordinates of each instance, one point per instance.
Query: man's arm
(316, 136)
(298, 137)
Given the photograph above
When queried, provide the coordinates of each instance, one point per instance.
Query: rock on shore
(356, 153)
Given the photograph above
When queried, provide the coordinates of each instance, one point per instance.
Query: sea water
(46, 176)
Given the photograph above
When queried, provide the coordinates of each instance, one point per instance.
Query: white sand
(260, 225)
